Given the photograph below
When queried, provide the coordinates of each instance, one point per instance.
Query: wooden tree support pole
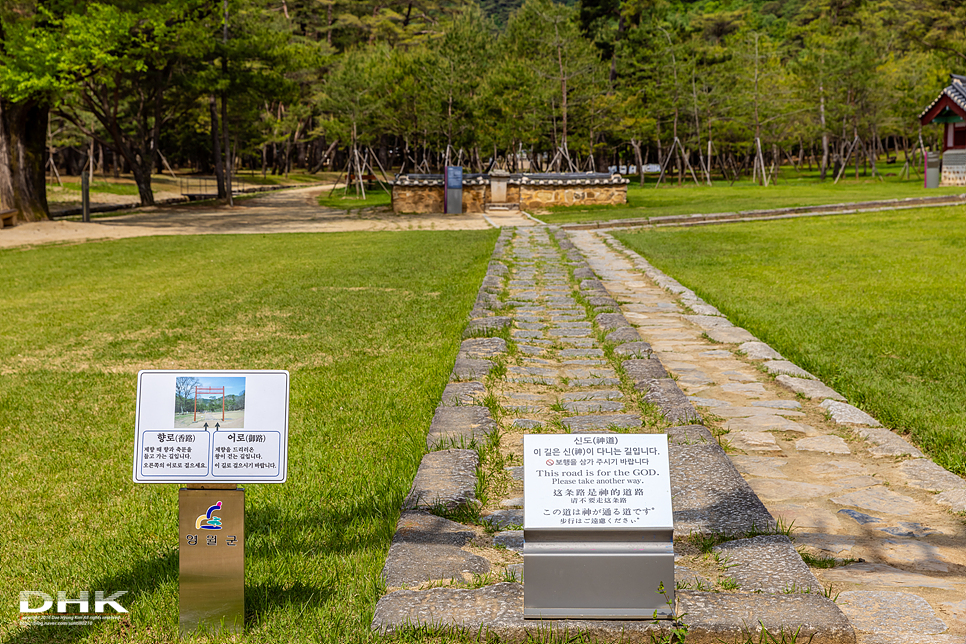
(845, 162)
(336, 184)
(167, 166)
(385, 175)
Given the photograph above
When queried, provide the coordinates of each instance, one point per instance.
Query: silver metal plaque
(453, 190)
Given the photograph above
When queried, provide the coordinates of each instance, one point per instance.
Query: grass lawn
(367, 323)
(348, 200)
(792, 189)
(102, 186)
(872, 304)
(163, 183)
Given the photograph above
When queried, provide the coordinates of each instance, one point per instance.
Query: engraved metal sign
(212, 568)
(211, 427)
(598, 526)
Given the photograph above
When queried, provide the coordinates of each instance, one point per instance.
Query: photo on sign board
(216, 402)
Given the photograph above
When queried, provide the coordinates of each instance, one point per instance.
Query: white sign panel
(211, 426)
(597, 481)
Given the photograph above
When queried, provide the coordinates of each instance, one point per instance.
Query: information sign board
(597, 526)
(575, 481)
(453, 196)
(211, 427)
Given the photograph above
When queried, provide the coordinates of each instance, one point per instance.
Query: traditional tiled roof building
(949, 108)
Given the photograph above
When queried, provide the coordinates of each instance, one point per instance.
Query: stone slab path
(573, 333)
(852, 490)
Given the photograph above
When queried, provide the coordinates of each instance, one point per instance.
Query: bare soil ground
(288, 211)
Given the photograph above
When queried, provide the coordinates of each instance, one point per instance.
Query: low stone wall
(410, 199)
(953, 176)
(545, 196)
(953, 169)
(424, 193)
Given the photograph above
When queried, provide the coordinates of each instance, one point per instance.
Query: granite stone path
(573, 333)
(852, 490)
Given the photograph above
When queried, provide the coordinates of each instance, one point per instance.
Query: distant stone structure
(423, 193)
(950, 108)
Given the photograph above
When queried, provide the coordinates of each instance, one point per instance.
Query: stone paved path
(600, 341)
(851, 489)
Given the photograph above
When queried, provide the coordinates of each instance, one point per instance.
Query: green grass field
(70, 186)
(872, 304)
(367, 323)
(792, 189)
(347, 200)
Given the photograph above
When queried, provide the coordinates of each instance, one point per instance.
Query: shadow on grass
(265, 598)
(342, 528)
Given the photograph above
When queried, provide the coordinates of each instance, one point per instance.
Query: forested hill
(499, 10)
(737, 86)
(769, 11)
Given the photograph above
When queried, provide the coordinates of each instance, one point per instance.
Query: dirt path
(288, 211)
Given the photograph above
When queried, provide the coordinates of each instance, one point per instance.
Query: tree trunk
(660, 149)
(825, 142)
(23, 158)
(142, 177)
(229, 160)
(216, 148)
(563, 92)
(637, 157)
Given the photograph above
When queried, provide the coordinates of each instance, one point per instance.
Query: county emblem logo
(208, 521)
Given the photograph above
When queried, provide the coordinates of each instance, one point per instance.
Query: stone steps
(502, 207)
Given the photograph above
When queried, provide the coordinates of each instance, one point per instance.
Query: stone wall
(545, 196)
(953, 176)
(409, 199)
(425, 195)
(475, 198)
(954, 168)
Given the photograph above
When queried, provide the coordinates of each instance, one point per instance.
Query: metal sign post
(212, 552)
(211, 430)
(453, 196)
(598, 527)
(85, 198)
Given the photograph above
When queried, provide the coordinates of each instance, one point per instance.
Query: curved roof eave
(955, 96)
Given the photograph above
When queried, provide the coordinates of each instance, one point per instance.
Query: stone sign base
(712, 618)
